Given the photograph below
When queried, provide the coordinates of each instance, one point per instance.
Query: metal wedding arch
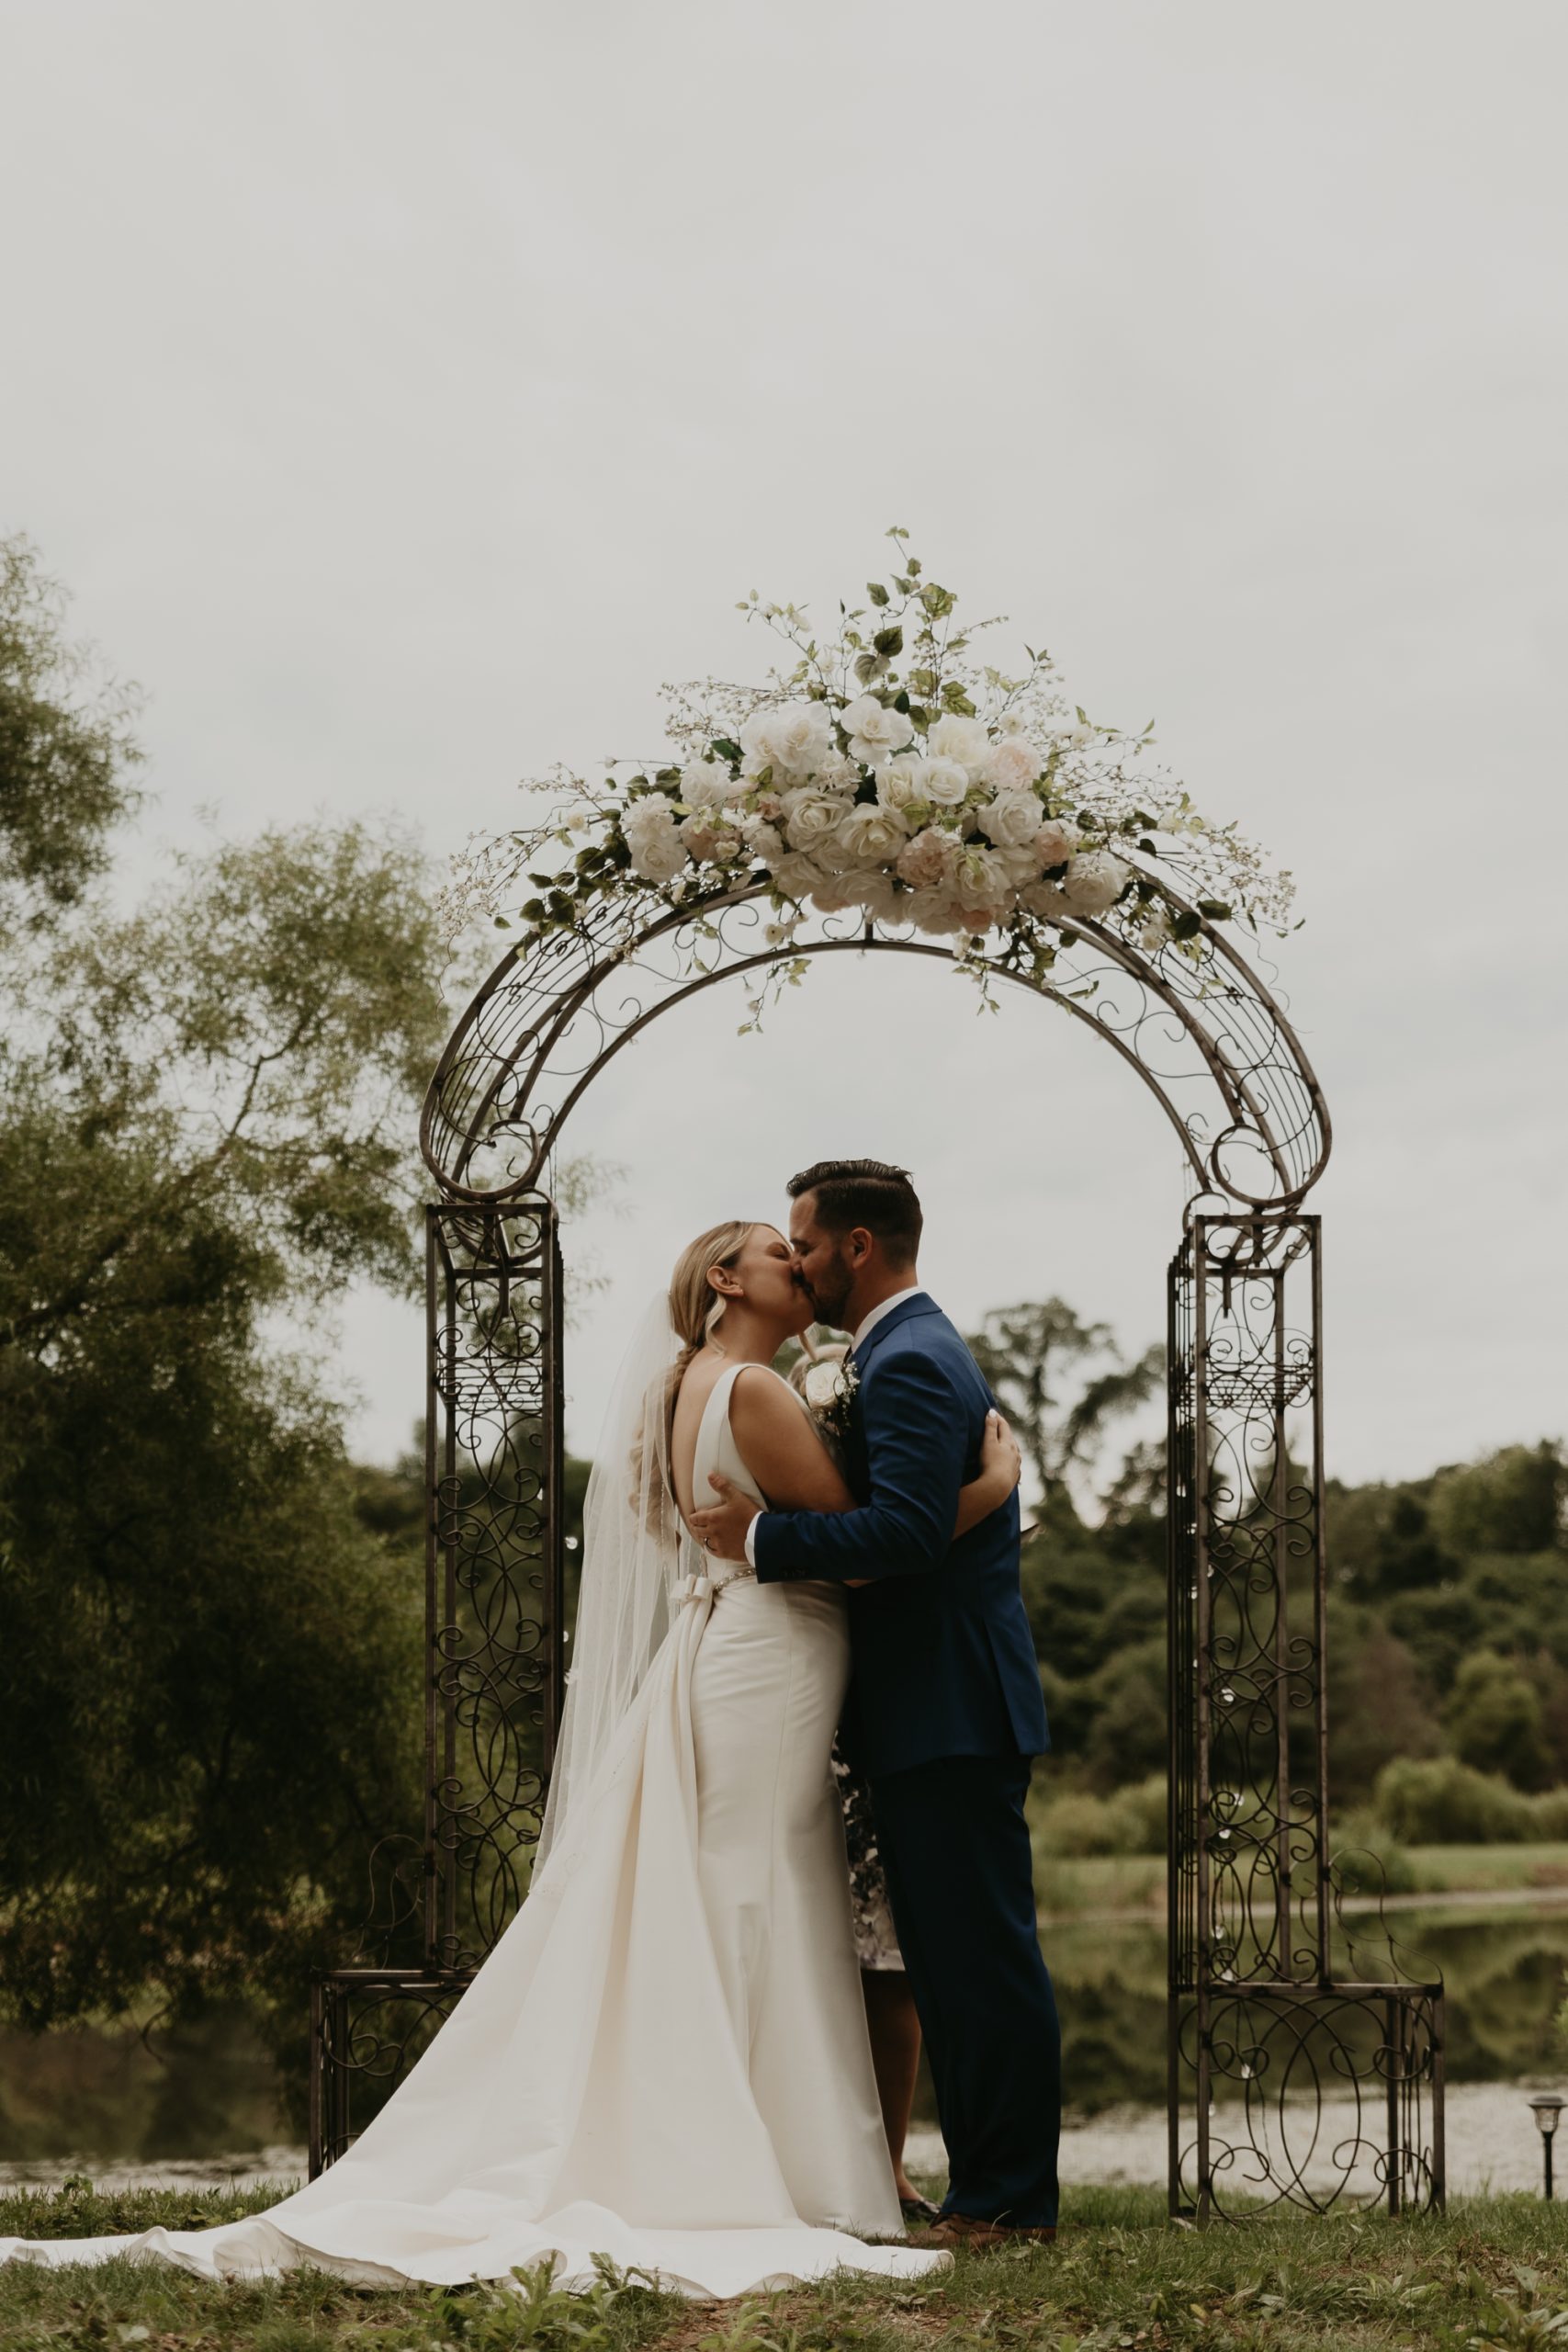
(1305, 2060)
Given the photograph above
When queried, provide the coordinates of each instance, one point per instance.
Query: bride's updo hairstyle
(695, 1306)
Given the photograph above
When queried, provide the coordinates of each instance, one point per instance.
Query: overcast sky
(405, 391)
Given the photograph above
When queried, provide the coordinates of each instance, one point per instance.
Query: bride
(665, 2059)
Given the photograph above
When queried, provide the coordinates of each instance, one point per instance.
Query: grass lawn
(1490, 2274)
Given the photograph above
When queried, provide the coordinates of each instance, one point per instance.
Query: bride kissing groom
(665, 2060)
(944, 1710)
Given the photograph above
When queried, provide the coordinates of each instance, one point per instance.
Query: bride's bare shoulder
(763, 1400)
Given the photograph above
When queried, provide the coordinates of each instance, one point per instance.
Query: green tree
(214, 1653)
(1493, 1717)
(67, 754)
(1512, 1501)
(1034, 1354)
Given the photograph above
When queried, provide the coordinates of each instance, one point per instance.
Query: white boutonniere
(829, 1387)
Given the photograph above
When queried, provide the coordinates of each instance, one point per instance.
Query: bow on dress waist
(706, 1587)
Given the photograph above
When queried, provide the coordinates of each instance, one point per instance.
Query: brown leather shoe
(983, 2237)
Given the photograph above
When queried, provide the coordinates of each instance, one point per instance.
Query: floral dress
(876, 1941)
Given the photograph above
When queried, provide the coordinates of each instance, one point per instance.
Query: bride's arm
(1001, 1467)
(796, 1471)
(781, 1447)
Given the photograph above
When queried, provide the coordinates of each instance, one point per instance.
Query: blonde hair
(695, 1307)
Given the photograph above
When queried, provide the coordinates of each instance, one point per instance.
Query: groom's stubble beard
(830, 1290)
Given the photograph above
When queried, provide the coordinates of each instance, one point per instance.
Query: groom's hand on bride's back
(721, 1527)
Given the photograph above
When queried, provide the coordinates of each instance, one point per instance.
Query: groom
(944, 1710)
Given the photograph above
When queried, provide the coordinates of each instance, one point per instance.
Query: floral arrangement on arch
(890, 771)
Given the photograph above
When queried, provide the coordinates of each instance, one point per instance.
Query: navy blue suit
(944, 1712)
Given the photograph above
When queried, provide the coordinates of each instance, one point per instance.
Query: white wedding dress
(664, 2060)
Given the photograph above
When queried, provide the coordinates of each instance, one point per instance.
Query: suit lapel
(922, 1304)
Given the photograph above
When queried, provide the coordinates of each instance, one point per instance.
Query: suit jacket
(943, 1658)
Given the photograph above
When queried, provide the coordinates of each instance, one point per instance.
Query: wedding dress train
(664, 2059)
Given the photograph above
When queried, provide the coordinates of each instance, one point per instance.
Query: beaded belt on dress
(706, 1587)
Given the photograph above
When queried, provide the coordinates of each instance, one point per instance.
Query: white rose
(979, 880)
(1043, 898)
(1095, 881)
(798, 876)
(792, 738)
(901, 781)
(705, 784)
(1012, 722)
(964, 740)
(927, 859)
(1020, 866)
(933, 912)
(649, 814)
(1012, 819)
(1055, 841)
(763, 840)
(1013, 765)
(872, 835)
(809, 817)
(875, 733)
(658, 856)
(838, 775)
(658, 853)
(879, 895)
(769, 807)
(833, 892)
(943, 782)
(1155, 932)
(824, 1384)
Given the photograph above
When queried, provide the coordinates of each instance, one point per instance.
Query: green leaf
(725, 749)
(955, 700)
(924, 682)
(901, 701)
(1215, 909)
(937, 602)
(1186, 926)
(889, 640)
(877, 592)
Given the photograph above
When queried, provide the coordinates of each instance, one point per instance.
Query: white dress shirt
(863, 1329)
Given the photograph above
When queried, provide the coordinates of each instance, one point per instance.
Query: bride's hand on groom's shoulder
(1001, 1457)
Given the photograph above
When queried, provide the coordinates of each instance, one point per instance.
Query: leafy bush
(1437, 1801)
(1131, 1821)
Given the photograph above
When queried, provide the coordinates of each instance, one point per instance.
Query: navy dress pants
(954, 1844)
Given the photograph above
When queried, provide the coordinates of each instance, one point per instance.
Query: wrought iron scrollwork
(1201, 1030)
(493, 1632)
(1300, 2070)
(1275, 2050)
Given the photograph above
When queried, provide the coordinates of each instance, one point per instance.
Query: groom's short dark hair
(865, 1192)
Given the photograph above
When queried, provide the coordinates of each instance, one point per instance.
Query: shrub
(1131, 1821)
(1437, 1801)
